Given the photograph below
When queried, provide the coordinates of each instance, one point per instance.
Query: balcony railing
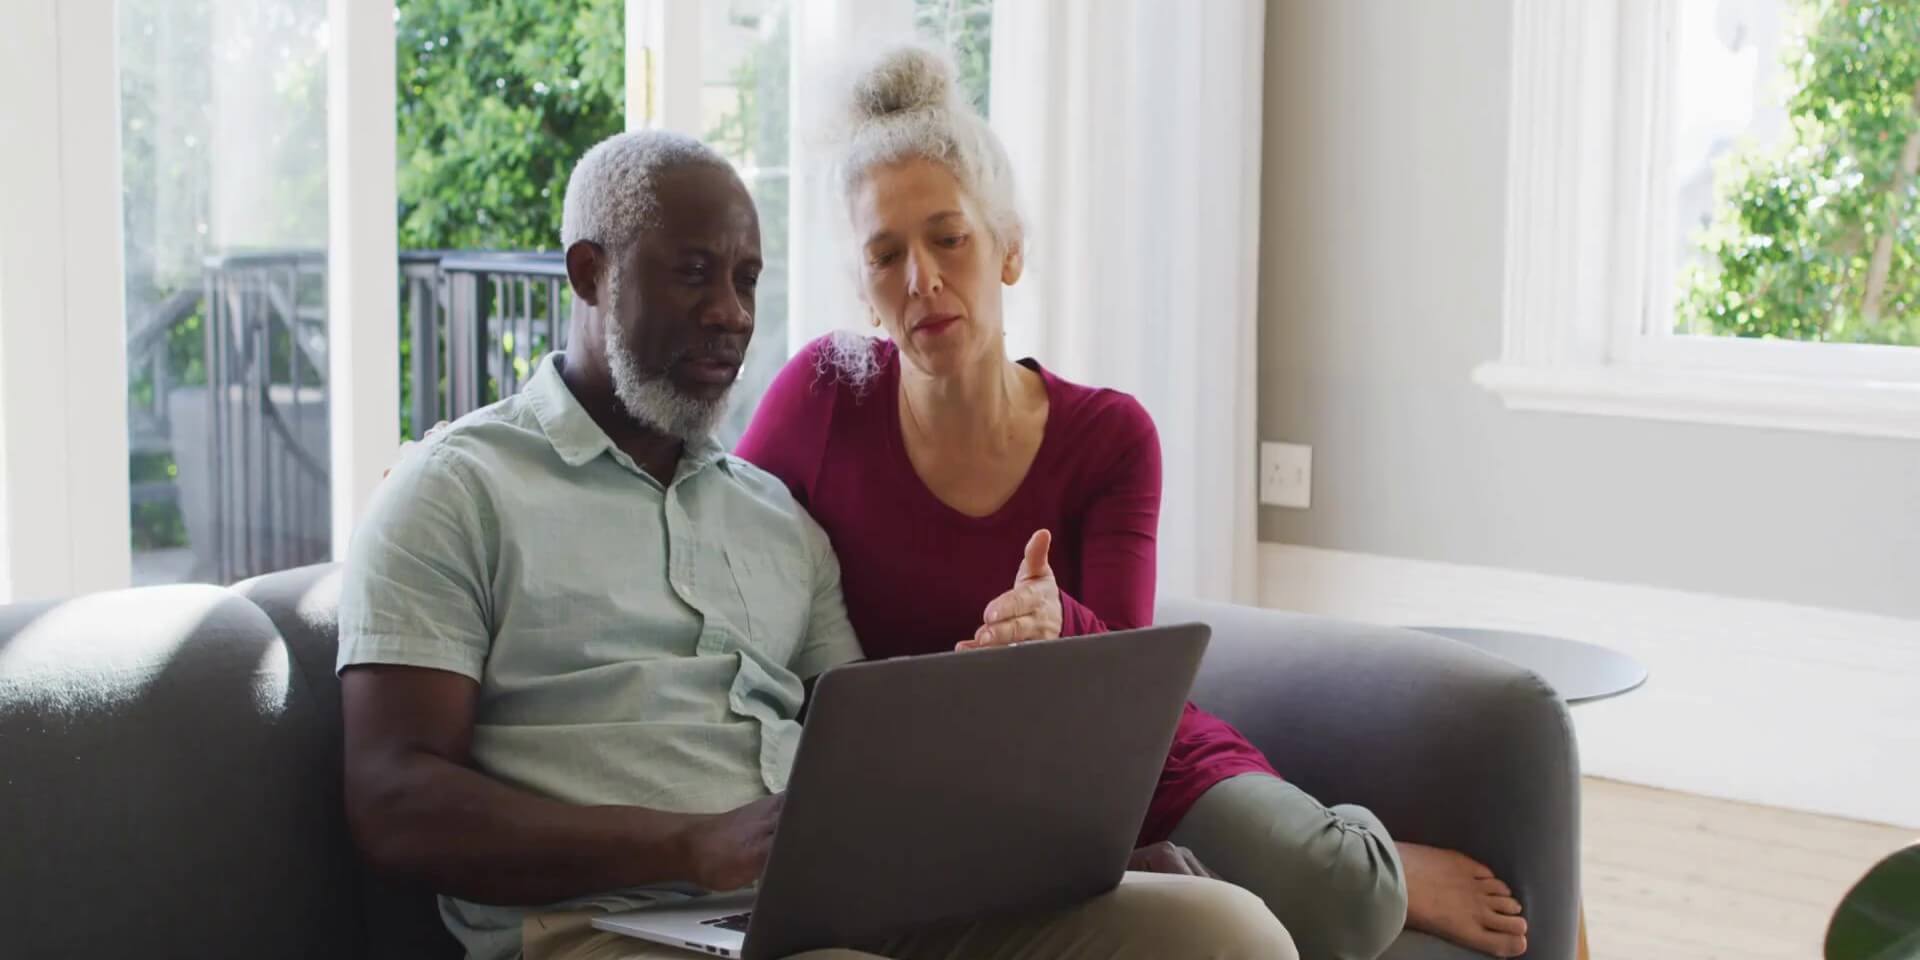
(502, 313)
(250, 443)
(266, 413)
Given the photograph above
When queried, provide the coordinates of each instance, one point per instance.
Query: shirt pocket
(776, 588)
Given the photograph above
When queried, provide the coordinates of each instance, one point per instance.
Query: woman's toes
(1504, 905)
(1502, 923)
(1493, 886)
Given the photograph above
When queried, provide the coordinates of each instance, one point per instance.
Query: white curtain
(1134, 128)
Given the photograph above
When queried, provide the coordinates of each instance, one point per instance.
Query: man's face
(678, 303)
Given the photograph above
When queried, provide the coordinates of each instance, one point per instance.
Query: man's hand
(1030, 611)
(728, 851)
(1164, 857)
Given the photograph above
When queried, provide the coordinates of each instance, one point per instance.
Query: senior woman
(939, 467)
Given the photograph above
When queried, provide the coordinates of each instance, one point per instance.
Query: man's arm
(830, 640)
(414, 639)
(417, 807)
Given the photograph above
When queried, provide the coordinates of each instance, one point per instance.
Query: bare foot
(1451, 896)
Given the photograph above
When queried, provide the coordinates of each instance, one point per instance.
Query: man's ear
(586, 261)
(1014, 264)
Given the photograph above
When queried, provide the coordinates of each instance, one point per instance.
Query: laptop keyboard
(736, 922)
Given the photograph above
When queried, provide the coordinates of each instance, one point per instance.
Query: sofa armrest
(1449, 746)
(400, 917)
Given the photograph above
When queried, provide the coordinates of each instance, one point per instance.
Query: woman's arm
(788, 434)
(1117, 528)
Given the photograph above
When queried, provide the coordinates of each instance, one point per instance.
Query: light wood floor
(1672, 875)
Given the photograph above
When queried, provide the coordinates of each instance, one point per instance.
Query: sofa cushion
(164, 783)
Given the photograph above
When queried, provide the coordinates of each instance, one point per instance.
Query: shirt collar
(579, 440)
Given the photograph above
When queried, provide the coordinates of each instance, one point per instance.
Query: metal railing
(149, 419)
(423, 314)
(267, 431)
(476, 325)
(504, 312)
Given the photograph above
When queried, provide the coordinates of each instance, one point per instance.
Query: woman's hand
(1030, 611)
(407, 446)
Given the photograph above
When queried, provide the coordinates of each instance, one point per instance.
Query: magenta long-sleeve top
(918, 574)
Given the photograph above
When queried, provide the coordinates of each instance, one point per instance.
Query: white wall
(1382, 258)
(1795, 707)
(1780, 612)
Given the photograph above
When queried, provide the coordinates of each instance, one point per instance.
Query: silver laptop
(951, 787)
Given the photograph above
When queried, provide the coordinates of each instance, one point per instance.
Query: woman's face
(930, 269)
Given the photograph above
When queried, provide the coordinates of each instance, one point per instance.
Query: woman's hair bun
(900, 80)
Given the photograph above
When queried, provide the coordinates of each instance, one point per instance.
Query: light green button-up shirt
(634, 643)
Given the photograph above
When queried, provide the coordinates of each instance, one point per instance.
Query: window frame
(1588, 321)
(64, 523)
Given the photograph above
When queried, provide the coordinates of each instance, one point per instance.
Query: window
(1713, 214)
(224, 205)
(254, 194)
(491, 112)
(1796, 139)
(746, 56)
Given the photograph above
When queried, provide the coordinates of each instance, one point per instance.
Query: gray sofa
(170, 768)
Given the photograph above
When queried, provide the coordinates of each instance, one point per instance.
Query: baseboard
(1796, 707)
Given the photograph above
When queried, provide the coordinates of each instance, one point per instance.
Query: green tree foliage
(1820, 239)
(496, 102)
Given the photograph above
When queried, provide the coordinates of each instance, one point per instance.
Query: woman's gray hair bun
(903, 79)
(904, 102)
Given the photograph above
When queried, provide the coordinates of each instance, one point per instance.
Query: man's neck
(657, 453)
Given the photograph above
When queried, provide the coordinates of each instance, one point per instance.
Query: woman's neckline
(896, 442)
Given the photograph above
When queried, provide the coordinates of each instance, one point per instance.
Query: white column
(639, 64)
(63, 380)
(663, 65)
(363, 300)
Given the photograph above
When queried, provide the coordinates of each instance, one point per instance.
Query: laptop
(951, 787)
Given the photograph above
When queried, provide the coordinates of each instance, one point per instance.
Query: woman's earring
(873, 317)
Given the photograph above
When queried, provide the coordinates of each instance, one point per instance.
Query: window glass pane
(1796, 141)
(492, 112)
(745, 53)
(224, 188)
(964, 27)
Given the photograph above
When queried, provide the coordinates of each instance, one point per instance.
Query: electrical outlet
(1286, 475)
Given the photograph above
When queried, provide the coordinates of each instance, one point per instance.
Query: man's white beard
(651, 398)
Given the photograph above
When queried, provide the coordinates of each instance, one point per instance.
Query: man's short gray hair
(611, 195)
(904, 103)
